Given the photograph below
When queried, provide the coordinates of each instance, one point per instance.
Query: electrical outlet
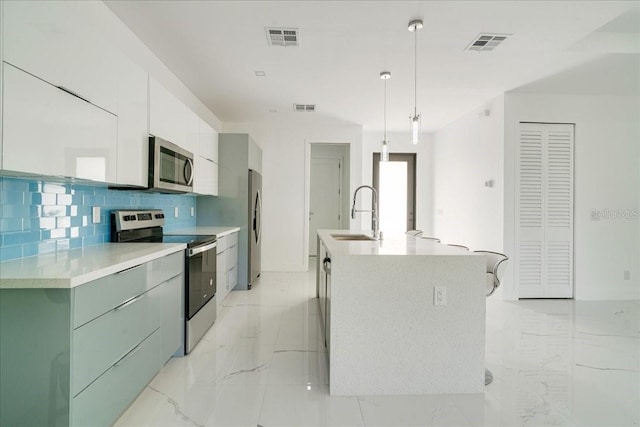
(95, 215)
(440, 295)
(627, 275)
(193, 211)
(175, 212)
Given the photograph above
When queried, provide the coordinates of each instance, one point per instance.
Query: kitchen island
(383, 331)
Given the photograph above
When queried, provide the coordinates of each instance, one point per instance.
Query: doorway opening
(395, 182)
(328, 190)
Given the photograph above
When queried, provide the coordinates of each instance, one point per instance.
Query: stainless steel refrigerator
(255, 225)
(239, 203)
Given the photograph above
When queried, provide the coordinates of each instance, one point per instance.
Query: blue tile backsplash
(37, 216)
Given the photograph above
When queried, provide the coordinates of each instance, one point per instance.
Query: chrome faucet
(374, 211)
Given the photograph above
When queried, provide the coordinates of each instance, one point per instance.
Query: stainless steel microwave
(170, 167)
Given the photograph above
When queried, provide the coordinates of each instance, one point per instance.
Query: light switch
(175, 212)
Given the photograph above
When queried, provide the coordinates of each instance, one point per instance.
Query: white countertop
(67, 269)
(392, 244)
(205, 230)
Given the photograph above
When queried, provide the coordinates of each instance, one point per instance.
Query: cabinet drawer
(102, 295)
(232, 257)
(101, 342)
(222, 244)
(103, 402)
(233, 239)
(232, 278)
(162, 269)
(168, 301)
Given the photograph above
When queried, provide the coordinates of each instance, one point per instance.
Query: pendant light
(385, 75)
(414, 26)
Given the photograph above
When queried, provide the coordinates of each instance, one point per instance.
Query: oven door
(201, 278)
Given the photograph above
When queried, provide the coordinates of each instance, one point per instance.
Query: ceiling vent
(485, 42)
(301, 108)
(282, 36)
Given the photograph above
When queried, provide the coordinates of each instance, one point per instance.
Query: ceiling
(215, 48)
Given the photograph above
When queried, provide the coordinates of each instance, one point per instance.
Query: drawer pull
(129, 269)
(131, 352)
(72, 93)
(129, 302)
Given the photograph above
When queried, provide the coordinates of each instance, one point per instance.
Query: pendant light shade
(385, 75)
(414, 119)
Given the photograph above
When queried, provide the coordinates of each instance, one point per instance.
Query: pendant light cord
(385, 111)
(415, 74)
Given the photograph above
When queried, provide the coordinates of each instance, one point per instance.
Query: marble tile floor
(263, 363)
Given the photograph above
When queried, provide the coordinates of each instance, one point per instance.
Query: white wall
(285, 166)
(466, 154)
(607, 176)
(401, 143)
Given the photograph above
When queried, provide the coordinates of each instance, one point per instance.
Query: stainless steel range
(144, 226)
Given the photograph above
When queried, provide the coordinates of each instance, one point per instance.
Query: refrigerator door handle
(257, 220)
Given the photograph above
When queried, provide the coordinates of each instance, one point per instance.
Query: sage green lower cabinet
(35, 337)
(80, 356)
(171, 315)
(98, 344)
(102, 402)
(227, 265)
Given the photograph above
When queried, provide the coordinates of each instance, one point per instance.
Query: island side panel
(387, 337)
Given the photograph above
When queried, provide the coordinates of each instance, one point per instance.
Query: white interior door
(325, 195)
(544, 210)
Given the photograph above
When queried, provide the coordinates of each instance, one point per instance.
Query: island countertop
(68, 269)
(391, 244)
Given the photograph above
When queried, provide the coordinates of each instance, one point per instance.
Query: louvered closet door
(544, 211)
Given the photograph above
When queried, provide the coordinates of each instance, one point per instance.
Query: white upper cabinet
(192, 132)
(56, 41)
(47, 131)
(208, 142)
(1, 74)
(167, 116)
(133, 125)
(255, 156)
(205, 180)
(206, 160)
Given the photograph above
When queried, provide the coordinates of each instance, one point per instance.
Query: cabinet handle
(130, 353)
(200, 249)
(72, 93)
(129, 302)
(188, 175)
(129, 269)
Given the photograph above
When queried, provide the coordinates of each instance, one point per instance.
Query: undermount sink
(351, 237)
